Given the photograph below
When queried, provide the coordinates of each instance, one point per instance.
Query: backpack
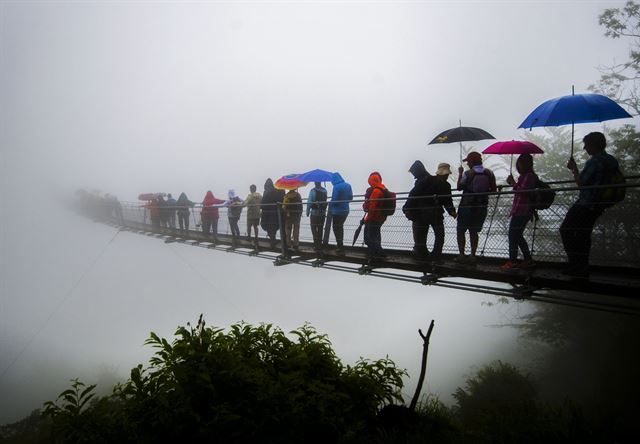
(478, 183)
(608, 197)
(320, 202)
(389, 202)
(543, 197)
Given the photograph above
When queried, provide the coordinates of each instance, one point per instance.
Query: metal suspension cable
(59, 305)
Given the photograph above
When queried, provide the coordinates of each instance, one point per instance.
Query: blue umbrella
(316, 176)
(578, 108)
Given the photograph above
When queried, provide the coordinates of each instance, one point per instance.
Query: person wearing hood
(419, 207)
(210, 214)
(316, 210)
(271, 212)
(162, 210)
(171, 211)
(252, 202)
(375, 216)
(184, 206)
(292, 208)
(234, 210)
(341, 195)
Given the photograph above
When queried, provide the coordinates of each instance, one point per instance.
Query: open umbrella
(576, 108)
(461, 134)
(289, 182)
(150, 196)
(316, 176)
(513, 147)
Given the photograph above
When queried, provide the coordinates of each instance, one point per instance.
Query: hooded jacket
(209, 211)
(371, 204)
(341, 192)
(420, 204)
(234, 203)
(270, 199)
(183, 204)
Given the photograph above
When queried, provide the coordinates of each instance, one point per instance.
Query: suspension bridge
(612, 285)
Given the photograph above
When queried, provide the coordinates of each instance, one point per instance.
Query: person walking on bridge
(578, 224)
(316, 210)
(184, 206)
(252, 202)
(271, 211)
(234, 210)
(443, 202)
(522, 211)
(419, 207)
(341, 195)
(292, 208)
(472, 210)
(171, 211)
(210, 215)
(375, 215)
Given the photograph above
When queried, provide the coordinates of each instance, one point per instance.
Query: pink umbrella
(513, 147)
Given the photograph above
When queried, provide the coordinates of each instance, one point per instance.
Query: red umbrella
(513, 147)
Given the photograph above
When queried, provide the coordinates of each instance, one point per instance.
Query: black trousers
(317, 229)
(183, 221)
(233, 225)
(373, 237)
(210, 227)
(575, 232)
(338, 227)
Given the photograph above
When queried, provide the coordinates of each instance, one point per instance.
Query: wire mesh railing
(615, 238)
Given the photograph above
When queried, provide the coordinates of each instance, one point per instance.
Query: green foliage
(556, 144)
(499, 404)
(619, 81)
(251, 384)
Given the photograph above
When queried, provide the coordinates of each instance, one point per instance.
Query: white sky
(133, 97)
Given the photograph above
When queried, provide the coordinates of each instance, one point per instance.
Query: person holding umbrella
(316, 210)
(578, 224)
(292, 208)
(522, 211)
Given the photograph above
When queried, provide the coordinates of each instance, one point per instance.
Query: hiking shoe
(509, 266)
(527, 264)
(580, 272)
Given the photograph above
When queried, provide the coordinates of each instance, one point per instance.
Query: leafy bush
(252, 384)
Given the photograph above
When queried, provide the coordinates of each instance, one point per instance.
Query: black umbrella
(357, 233)
(461, 134)
(327, 229)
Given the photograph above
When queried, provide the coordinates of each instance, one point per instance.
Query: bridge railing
(615, 239)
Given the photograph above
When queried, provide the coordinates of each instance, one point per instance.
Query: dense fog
(140, 97)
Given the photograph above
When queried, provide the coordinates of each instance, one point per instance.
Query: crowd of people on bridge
(429, 199)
